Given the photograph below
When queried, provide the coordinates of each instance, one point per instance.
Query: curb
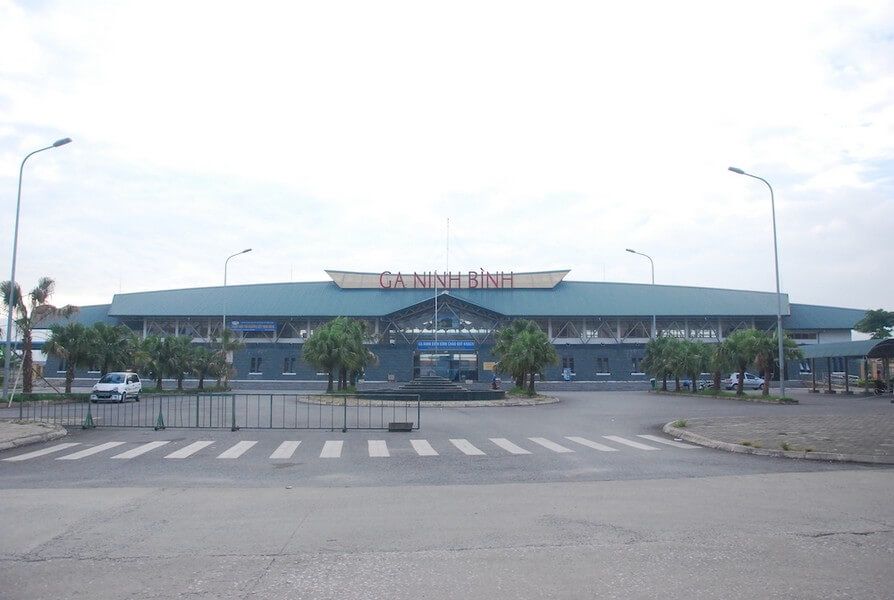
(746, 398)
(54, 434)
(729, 447)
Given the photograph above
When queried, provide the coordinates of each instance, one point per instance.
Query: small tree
(72, 343)
(720, 360)
(529, 352)
(507, 360)
(656, 360)
(205, 362)
(878, 322)
(110, 346)
(179, 354)
(28, 315)
(322, 350)
(741, 348)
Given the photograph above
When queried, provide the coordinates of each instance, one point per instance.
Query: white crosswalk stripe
(236, 450)
(143, 449)
(378, 448)
(91, 451)
(42, 452)
(630, 443)
(331, 449)
(673, 443)
(466, 447)
(509, 446)
(187, 451)
(550, 445)
(590, 444)
(423, 448)
(285, 450)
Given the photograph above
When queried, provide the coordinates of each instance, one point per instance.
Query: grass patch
(785, 446)
(679, 423)
(750, 444)
(517, 392)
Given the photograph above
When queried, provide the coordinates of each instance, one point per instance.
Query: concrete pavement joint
(729, 447)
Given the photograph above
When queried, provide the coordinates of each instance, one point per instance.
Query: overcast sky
(552, 135)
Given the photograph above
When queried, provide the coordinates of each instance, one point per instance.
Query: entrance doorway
(455, 366)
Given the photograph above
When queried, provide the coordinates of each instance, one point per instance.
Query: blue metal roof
(86, 315)
(811, 316)
(326, 299)
(861, 348)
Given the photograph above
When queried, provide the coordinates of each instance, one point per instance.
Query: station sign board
(445, 345)
(253, 326)
(447, 280)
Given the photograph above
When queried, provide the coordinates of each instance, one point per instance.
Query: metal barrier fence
(233, 411)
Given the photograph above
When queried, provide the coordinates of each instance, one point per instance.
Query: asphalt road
(628, 522)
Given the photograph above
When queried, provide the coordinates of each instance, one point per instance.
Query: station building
(424, 323)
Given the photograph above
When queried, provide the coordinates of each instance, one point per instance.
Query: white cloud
(552, 134)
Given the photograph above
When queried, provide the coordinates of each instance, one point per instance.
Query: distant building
(599, 329)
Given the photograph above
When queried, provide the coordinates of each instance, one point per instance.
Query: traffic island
(843, 438)
(21, 433)
(760, 398)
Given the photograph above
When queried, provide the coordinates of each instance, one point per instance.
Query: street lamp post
(778, 293)
(7, 357)
(226, 262)
(654, 327)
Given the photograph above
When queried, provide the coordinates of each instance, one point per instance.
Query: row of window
(602, 367)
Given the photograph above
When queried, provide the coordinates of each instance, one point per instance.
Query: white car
(117, 387)
(751, 381)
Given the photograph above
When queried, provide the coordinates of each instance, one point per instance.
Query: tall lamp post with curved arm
(7, 357)
(778, 293)
(654, 331)
(226, 263)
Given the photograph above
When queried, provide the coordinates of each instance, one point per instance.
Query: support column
(866, 376)
(829, 376)
(813, 374)
(549, 328)
(144, 329)
(847, 383)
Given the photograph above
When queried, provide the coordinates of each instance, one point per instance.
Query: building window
(636, 363)
(63, 366)
(568, 363)
(94, 368)
(255, 368)
(602, 365)
(805, 367)
(802, 335)
(288, 365)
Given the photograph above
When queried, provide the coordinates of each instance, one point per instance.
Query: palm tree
(205, 362)
(178, 354)
(656, 360)
(766, 355)
(741, 347)
(322, 349)
(72, 343)
(111, 346)
(507, 360)
(28, 315)
(229, 343)
(358, 355)
(529, 351)
(720, 361)
(152, 353)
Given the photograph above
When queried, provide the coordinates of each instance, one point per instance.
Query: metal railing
(233, 411)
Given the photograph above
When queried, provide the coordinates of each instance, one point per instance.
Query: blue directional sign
(254, 326)
(445, 345)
